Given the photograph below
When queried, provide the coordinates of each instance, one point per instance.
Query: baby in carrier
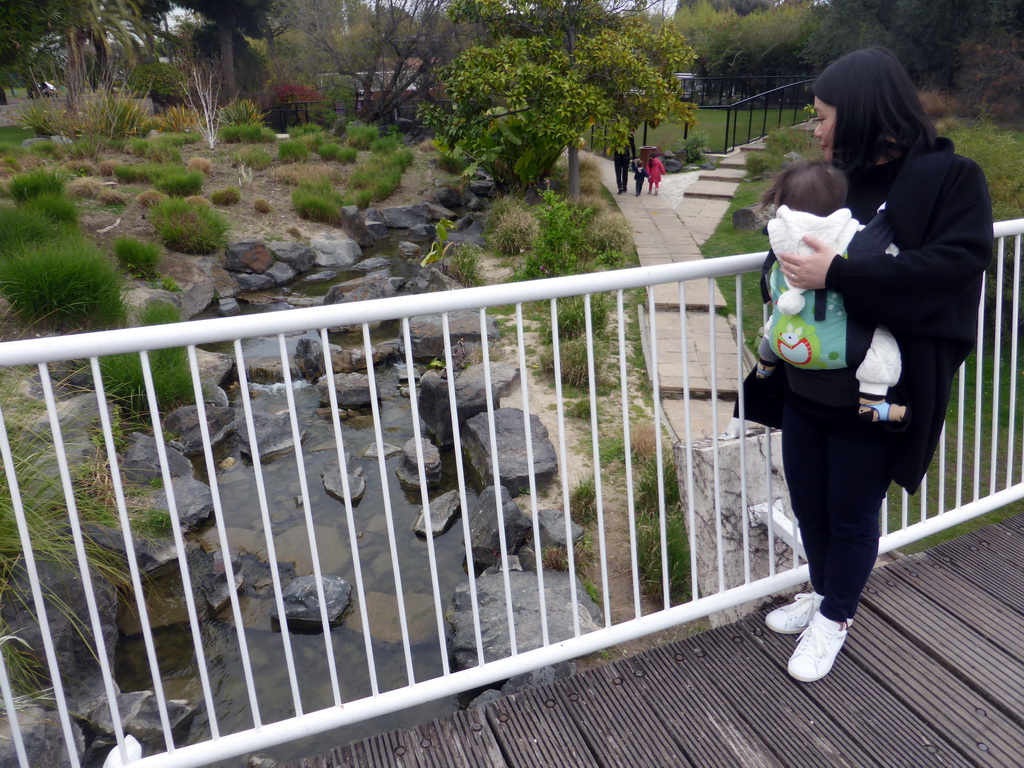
(809, 197)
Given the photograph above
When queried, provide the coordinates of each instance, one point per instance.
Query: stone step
(666, 296)
(711, 190)
(724, 174)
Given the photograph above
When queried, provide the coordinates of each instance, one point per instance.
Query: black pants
(621, 161)
(837, 485)
(639, 183)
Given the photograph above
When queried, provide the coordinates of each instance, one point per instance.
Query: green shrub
(330, 151)
(113, 115)
(760, 164)
(998, 151)
(363, 198)
(57, 208)
(253, 157)
(610, 236)
(561, 246)
(130, 174)
(239, 112)
(462, 264)
(292, 152)
(46, 149)
(574, 362)
(179, 182)
(649, 551)
(246, 134)
(157, 79)
(451, 163)
(26, 186)
(583, 501)
(512, 226)
(136, 257)
(123, 382)
(65, 284)
(318, 203)
(189, 228)
(360, 136)
(307, 129)
(572, 318)
(690, 151)
(44, 118)
(22, 227)
(180, 139)
(83, 148)
(385, 145)
(226, 196)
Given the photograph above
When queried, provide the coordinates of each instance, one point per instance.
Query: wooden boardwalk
(932, 674)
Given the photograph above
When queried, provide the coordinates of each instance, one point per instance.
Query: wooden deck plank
(967, 719)
(696, 717)
(604, 706)
(534, 729)
(893, 735)
(771, 702)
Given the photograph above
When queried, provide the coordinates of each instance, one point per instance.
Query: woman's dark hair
(878, 112)
(813, 187)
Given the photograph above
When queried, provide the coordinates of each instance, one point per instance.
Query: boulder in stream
(302, 603)
(513, 467)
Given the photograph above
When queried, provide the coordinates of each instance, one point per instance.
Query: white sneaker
(817, 650)
(793, 619)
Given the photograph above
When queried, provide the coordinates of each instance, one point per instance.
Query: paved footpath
(669, 228)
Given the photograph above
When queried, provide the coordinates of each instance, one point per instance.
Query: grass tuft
(189, 228)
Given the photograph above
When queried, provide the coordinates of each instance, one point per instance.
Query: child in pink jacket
(655, 170)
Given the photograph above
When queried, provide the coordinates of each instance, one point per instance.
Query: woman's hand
(807, 271)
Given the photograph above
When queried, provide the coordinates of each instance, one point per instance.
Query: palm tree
(101, 25)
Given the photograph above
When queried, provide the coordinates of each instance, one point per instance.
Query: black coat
(927, 296)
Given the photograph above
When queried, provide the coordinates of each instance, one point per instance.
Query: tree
(550, 70)
(100, 25)
(24, 24)
(388, 50)
(229, 16)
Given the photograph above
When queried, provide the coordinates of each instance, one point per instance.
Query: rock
(141, 464)
(139, 297)
(390, 451)
(298, 256)
(444, 510)
(473, 233)
(333, 250)
(214, 368)
(321, 276)
(375, 224)
(432, 280)
(330, 476)
(482, 187)
(268, 370)
(409, 250)
(273, 432)
(184, 422)
(408, 469)
(793, 157)
(525, 608)
(406, 216)
(449, 197)
(250, 256)
(193, 500)
(35, 140)
(514, 472)
(437, 212)
(552, 528)
(140, 716)
(538, 677)
(309, 359)
(376, 264)
(199, 279)
(41, 731)
(353, 390)
(470, 396)
(302, 603)
(250, 283)
(672, 165)
(360, 289)
(353, 223)
(483, 528)
(427, 336)
(228, 307)
(281, 273)
(707, 166)
(262, 761)
(752, 218)
(349, 359)
(420, 233)
(213, 579)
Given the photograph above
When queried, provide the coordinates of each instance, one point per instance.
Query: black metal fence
(752, 118)
(718, 91)
(284, 116)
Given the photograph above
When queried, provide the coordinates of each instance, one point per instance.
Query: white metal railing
(255, 687)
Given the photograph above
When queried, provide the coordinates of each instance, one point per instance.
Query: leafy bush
(318, 203)
(179, 182)
(189, 228)
(65, 284)
(690, 150)
(226, 196)
(57, 208)
(112, 115)
(240, 112)
(360, 136)
(31, 184)
(246, 134)
(157, 79)
(290, 93)
(561, 246)
(123, 381)
(253, 157)
(512, 227)
(136, 257)
(451, 162)
(44, 118)
(292, 152)
(177, 119)
(22, 227)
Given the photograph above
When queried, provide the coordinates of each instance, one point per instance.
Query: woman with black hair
(870, 124)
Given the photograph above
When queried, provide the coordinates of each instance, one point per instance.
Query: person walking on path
(639, 174)
(838, 468)
(655, 170)
(621, 159)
